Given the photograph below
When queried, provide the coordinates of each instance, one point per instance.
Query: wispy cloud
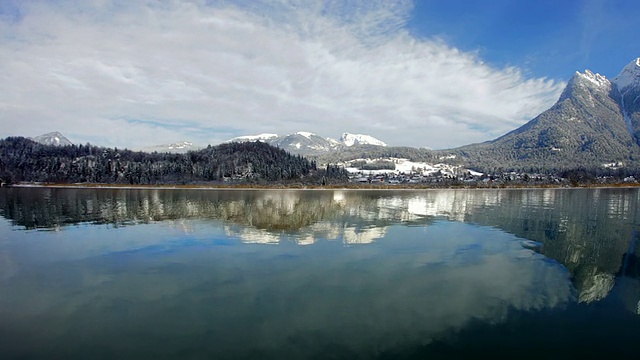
(87, 68)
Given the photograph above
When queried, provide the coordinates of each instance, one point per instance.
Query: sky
(436, 74)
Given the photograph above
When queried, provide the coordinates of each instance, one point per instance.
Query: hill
(22, 159)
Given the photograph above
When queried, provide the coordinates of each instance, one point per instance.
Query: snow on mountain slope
(596, 79)
(627, 84)
(304, 143)
(595, 122)
(306, 134)
(260, 137)
(52, 138)
(333, 142)
(360, 139)
(180, 147)
(629, 76)
(307, 143)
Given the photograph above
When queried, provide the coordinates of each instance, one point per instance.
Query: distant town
(396, 171)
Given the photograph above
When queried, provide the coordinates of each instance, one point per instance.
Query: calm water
(208, 274)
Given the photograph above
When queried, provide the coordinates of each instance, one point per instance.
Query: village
(398, 171)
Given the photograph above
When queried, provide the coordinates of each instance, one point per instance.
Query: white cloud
(136, 73)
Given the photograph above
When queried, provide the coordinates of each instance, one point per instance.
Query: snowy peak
(592, 79)
(180, 145)
(52, 138)
(360, 139)
(306, 134)
(260, 137)
(303, 142)
(629, 76)
(308, 143)
(585, 85)
(594, 124)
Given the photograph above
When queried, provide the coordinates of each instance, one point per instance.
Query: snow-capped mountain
(627, 92)
(629, 76)
(360, 139)
(307, 143)
(52, 138)
(180, 147)
(260, 137)
(595, 122)
(304, 143)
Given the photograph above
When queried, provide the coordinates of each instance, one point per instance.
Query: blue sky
(433, 74)
(545, 38)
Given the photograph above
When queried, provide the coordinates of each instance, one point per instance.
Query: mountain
(627, 93)
(594, 124)
(304, 143)
(360, 139)
(259, 137)
(307, 143)
(52, 138)
(180, 147)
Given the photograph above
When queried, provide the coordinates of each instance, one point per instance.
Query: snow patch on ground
(407, 166)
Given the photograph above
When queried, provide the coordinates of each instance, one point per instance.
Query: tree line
(23, 160)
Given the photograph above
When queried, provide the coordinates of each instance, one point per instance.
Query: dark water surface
(295, 274)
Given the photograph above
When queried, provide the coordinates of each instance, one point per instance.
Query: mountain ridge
(311, 144)
(594, 123)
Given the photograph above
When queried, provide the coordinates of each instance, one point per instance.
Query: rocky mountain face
(627, 94)
(52, 138)
(595, 123)
(306, 143)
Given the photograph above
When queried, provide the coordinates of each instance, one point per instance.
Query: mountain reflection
(591, 232)
(311, 274)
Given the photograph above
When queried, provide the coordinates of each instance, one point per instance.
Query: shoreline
(318, 187)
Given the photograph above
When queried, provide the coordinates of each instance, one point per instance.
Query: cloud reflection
(414, 285)
(561, 221)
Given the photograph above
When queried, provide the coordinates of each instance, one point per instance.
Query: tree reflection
(591, 232)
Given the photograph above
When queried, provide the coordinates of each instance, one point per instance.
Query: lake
(319, 274)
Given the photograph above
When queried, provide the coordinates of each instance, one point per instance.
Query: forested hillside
(373, 151)
(594, 125)
(22, 159)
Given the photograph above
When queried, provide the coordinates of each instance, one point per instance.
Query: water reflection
(353, 272)
(354, 301)
(576, 227)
